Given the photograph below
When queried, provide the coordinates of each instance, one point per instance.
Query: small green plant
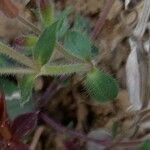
(55, 36)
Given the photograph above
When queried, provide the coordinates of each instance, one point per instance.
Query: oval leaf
(24, 124)
(78, 44)
(45, 45)
(26, 86)
(102, 87)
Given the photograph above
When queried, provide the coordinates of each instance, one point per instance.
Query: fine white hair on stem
(133, 77)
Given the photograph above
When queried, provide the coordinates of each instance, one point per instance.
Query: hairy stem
(15, 71)
(59, 47)
(8, 51)
(63, 69)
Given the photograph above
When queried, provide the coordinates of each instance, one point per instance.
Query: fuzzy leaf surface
(45, 45)
(145, 145)
(102, 87)
(78, 44)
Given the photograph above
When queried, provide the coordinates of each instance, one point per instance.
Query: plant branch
(59, 47)
(102, 19)
(62, 50)
(63, 69)
(29, 24)
(82, 136)
(15, 71)
(10, 52)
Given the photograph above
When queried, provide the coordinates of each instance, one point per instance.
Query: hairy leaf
(63, 24)
(45, 45)
(62, 69)
(78, 44)
(82, 24)
(26, 86)
(102, 87)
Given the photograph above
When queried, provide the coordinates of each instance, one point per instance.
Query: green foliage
(63, 25)
(102, 87)
(8, 86)
(78, 44)
(77, 47)
(81, 24)
(12, 98)
(47, 13)
(26, 85)
(63, 69)
(145, 145)
(30, 40)
(45, 45)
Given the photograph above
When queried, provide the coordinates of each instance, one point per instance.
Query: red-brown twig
(102, 19)
(82, 136)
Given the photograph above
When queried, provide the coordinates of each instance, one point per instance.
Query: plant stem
(52, 90)
(58, 127)
(63, 69)
(10, 52)
(59, 47)
(15, 71)
(70, 132)
(102, 19)
(29, 24)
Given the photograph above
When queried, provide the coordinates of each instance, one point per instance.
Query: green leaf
(30, 40)
(78, 44)
(8, 86)
(145, 145)
(14, 109)
(26, 85)
(102, 87)
(12, 98)
(45, 45)
(65, 13)
(62, 27)
(47, 12)
(63, 69)
(82, 24)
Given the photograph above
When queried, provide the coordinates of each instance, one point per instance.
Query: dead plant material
(9, 9)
